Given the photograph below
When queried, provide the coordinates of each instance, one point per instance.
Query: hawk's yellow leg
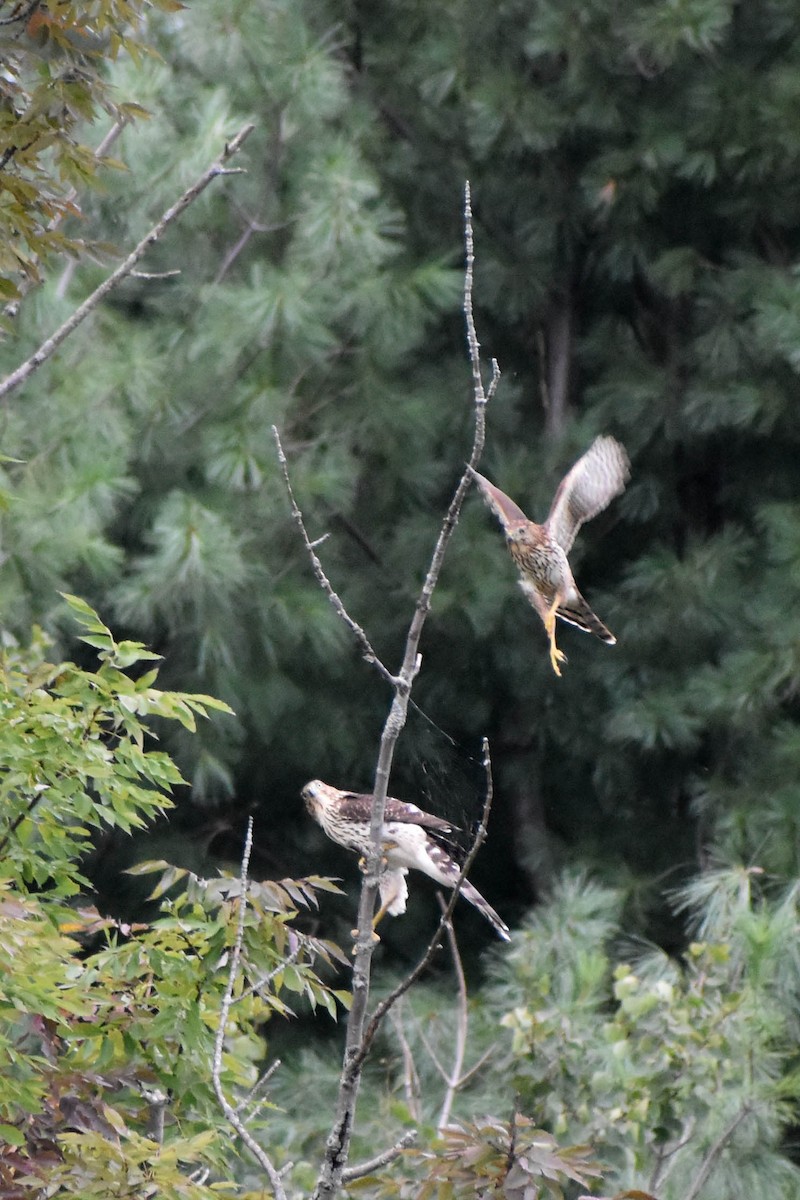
(556, 656)
(379, 915)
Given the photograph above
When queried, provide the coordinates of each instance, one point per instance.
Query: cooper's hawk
(411, 839)
(540, 551)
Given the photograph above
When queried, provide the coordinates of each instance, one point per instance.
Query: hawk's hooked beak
(309, 794)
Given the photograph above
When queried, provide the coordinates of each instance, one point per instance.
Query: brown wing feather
(588, 488)
(507, 512)
(358, 806)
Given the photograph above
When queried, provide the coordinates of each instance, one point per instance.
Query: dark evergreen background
(635, 174)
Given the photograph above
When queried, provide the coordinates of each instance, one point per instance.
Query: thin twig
(455, 1079)
(49, 347)
(268, 978)
(234, 1119)
(443, 1072)
(155, 274)
(411, 1087)
(663, 1165)
(322, 579)
(380, 1160)
(714, 1152)
(240, 243)
(359, 1035)
(260, 1083)
(476, 1066)
(472, 337)
(105, 145)
(429, 1050)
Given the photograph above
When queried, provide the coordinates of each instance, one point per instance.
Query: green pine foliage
(299, 305)
(628, 174)
(634, 176)
(679, 1072)
(636, 220)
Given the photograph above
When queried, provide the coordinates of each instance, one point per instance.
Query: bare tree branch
(359, 1035)
(411, 1084)
(366, 649)
(232, 1114)
(714, 1151)
(380, 1160)
(154, 274)
(481, 398)
(666, 1155)
(333, 1168)
(250, 228)
(455, 1079)
(268, 978)
(252, 1097)
(49, 347)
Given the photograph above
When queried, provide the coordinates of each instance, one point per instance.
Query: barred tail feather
(472, 894)
(577, 612)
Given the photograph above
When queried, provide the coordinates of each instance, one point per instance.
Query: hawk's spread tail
(577, 612)
(483, 906)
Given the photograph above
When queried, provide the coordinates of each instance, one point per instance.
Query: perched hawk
(540, 551)
(411, 839)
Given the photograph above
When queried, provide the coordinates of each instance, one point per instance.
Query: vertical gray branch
(358, 1038)
(231, 1113)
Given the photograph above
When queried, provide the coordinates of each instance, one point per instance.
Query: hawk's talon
(362, 864)
(556, 656)
(354, 936)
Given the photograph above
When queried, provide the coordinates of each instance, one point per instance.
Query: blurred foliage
(55, 80)
(103, 1025)
(641, 1074)
(680, 1072)
(515, 1157)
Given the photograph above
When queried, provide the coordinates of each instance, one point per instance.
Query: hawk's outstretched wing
(588, 488)
(507, 512)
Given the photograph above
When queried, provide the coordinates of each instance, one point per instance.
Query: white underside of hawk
(411, 840)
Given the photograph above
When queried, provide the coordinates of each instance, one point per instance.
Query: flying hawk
(540, 551)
